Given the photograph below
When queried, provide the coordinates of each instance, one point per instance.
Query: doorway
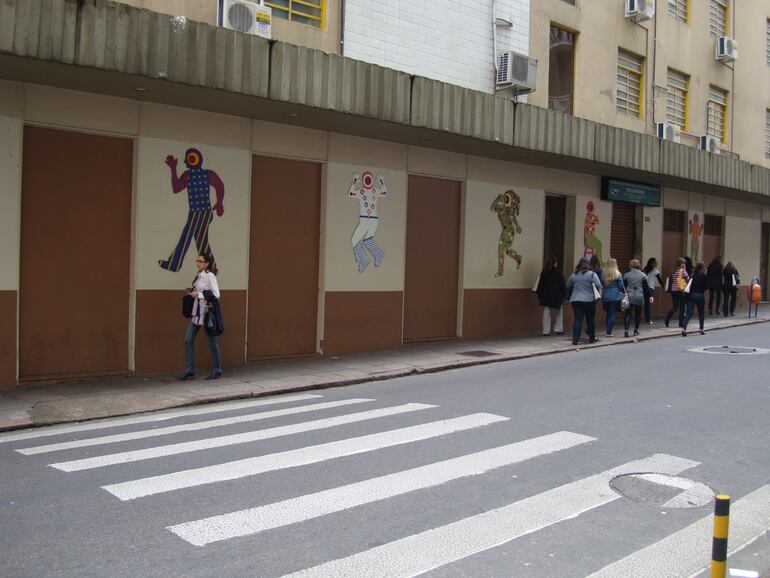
(555, 227)
(623, 234)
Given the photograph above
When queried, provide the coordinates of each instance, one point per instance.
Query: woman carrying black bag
(205, 283)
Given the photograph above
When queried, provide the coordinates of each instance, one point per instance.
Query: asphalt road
(523, 468)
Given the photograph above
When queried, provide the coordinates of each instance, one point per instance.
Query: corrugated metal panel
(314, 78)
(446, 107)
(685, 162)
(553, 132)
(730, 173)
(42, 29)
(760, 180)
(624, 148)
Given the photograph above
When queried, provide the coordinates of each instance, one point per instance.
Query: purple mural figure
(198, 182)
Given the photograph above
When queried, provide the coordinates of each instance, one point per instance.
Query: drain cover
(662, 490)
(478, 353)
(730, 350)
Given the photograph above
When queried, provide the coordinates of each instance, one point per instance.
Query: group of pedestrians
(633, 293)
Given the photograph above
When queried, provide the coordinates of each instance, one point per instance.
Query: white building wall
(447, 40)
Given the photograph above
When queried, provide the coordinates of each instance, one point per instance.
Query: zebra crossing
(114, 442)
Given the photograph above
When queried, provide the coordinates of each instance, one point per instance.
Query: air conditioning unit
(516, 71)
(727, 49)
(668, 131)
(247, 17)
(640, 10)
(709, 143)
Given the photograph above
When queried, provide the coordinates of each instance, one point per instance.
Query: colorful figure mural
(696, 230)
(591, 243)
(506, 205)
(369, 190)
(198, 182)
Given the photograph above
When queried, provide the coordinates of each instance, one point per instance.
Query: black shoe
(684, 333)
(666, 323)
(574, 343)
(185, 376)
(214, 375)
(636, 333)
(702, 332)
(594, 340)
(625, 334)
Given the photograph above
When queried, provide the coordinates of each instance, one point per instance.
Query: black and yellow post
(719, 545)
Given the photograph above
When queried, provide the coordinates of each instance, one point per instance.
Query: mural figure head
(193, 158)
(590, 207)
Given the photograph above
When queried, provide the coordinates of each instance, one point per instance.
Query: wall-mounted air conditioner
(709, 143)
(246, 17)
(726, 49)
(516, 71)
(668, 131)
(640, 10)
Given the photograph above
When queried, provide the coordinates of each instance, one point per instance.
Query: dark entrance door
(623, 234)
(555, 222)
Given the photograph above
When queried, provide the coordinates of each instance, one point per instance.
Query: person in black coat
(714, 278)
(551, 292)
(730, 282)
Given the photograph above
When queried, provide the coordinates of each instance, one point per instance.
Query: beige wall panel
(436, 163)
(674, 199)
(161, 215)
(602, 210)
(714, 205)
(363, 151)
(742, 245)
(342, 219)
(501, 172)
(11, 96)
(741, 209)
(652, 233)
(186, 125)
(696, 202)
(694, 231)
(766, 214)
(482, 236)
(10, 200)
(80, 110)
(288, 141)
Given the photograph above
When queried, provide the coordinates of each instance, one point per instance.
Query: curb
(11, 425)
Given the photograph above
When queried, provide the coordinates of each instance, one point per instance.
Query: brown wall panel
(500, 312)
(160, 330)
(75, 254)
(712, 247)
(7, 338)
(351, 323)
(432, 258)
(283, 257)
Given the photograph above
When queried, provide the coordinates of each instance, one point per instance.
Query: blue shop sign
(630, 192)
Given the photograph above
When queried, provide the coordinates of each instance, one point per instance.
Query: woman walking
(696, 296)
(580, 287)
(730, 282)
(653, 278)
(205, 282)
(679, 278)
(714, 273)
(612, 292)
(551, 291)
(639, 294)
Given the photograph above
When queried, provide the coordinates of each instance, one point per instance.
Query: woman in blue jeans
(580, 288)
(612, 293)
(696, 297)
(205, 280)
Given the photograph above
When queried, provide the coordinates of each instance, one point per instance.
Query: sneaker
(684, 333)
(703, 332)
(625, 334)
(650, 322)
(609, 334)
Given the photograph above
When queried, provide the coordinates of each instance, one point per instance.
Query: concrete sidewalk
(67, 402)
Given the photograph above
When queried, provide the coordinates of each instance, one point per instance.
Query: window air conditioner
(727, 49)
(668, 131)
(640, 10)
(247, 17)
(709, 143)
(516, 71)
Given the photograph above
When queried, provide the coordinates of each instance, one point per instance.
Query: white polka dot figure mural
(369, 190)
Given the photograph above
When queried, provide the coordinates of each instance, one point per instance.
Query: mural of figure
(369, 190)
(198, 182)
(696, 230)
(506, 205)
(591, 243)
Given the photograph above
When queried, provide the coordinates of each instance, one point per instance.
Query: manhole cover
(730, 350)
(478, 353)
(662, 490)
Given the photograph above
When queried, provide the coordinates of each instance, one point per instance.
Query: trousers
(189, 349)
(558, 325)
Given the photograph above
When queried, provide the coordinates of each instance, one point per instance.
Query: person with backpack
(612, 293)
(714, 282)
(678, 282)
(730, 282)
(551, 291)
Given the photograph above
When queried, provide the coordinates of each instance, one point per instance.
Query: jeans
(611, 308)
(677, 302)
(694, 299)
(715, 293)
(189, 349)
(731, 296)
(647, 310)
(637, 311)
(558, 326)
(587, 310)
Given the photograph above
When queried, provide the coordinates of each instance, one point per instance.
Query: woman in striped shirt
(679, 278)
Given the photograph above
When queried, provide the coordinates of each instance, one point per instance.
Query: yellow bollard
(719, 544)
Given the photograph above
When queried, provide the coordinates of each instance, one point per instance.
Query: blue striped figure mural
(368, 190)
(198, 182)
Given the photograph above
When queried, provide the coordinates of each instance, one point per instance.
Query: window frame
(298, 14)
(715, 6)
(627, 58)
(686, 94)
(715, 102)
(675, 8)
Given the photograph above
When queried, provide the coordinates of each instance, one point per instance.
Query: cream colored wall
(10, 199)
(714, 205)
(742, 239)
(675, 199)
(289, 141)
(652, 233)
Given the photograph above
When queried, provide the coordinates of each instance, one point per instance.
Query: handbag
(736, 281)
(668, 284)
(536, 285)
(687, 288)
(597, 295)
(625, 303)
(187, 305)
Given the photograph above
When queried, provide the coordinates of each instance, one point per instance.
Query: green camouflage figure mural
(506, 205)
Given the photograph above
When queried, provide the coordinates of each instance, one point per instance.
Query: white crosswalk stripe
(153, 417)
(253, 521)
(222, 441)
(299, 457)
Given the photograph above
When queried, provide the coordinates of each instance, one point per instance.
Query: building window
(629, 99)
(561, 71)
(678, 87)
(673, 220)
(310, 12)
(767, 133)
(679, 9)
(716, 113)
(718, 17)
(712, 225)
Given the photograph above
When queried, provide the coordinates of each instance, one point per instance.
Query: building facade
(349, 206)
